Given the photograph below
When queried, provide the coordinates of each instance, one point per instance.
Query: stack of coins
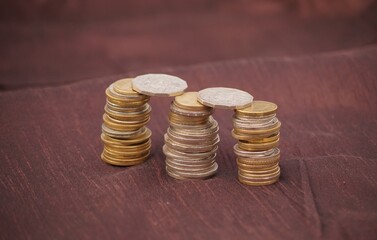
(191, 140)
(125, 137)
(257, 130)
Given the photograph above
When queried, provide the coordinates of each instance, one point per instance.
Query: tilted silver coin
(159, 85)
(228, 98)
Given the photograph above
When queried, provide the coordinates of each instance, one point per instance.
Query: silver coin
(253, 125)
(200, 175)
(171, 152)
(159, 85)
(259, 154)
(121, 134)
(228, 98)
(186, 148)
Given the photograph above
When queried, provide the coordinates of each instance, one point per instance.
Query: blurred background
(47, 43)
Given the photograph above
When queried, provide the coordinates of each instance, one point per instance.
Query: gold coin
(124, 163)
(188, 101)
(124, 103)
(258, 108)
(259, 173)
(112, 94)
(251, 137)
(251, 166)
(142, 136)
(124, 86)
(125, 154)
(134, 147)
(250, 146)
(268, 139)
(258, 183)
(274, 159)
(128, 122)
(263, 177)
(123, 125)
(114, 157)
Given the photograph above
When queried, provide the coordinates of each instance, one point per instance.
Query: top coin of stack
(191, 140)
(257, 130)
(226, 98)
(125, 137)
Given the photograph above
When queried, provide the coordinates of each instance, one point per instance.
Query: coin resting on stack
(125, 137)
(191, 139)
(257, 130)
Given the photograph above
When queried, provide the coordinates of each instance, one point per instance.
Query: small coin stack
(191, 140)
(257, 130)
(125, 137)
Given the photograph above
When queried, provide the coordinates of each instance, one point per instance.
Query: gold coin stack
(191, 140)
(257, 130)
(125, 137)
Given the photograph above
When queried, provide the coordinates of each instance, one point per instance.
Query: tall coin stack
(125, 137)
(191, 140)
(257, 130)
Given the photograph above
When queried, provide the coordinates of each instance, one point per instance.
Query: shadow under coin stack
(125, 137)
(257, 130)
(191, 140)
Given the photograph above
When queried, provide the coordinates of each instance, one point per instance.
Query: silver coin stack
(191, 140)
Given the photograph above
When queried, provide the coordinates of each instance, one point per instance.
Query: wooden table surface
(54, 186)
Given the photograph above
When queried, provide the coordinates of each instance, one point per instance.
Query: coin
(159, 85)
(254, 161)
(181, 156)
(124, 162)
(184, 175)
(258, 108)
(190, 113)
(250, 146)
(191, 148)
(258, 183)
(228, 98)
(189, 101)
(124, 86)
(141, 137)
(260, 131)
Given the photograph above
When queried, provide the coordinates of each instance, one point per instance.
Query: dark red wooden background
(316, 60)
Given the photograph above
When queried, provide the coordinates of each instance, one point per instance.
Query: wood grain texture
(53, 184)
(48, 43)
